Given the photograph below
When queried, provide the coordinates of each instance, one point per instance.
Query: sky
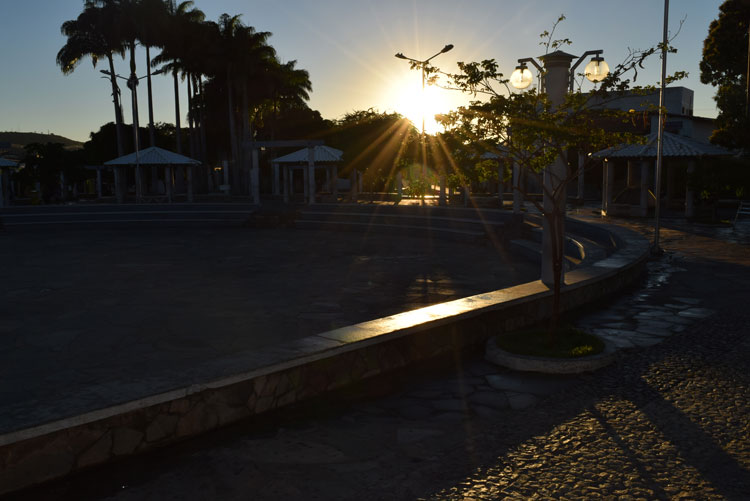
(348, 47)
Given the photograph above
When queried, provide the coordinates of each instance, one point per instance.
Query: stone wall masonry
(301, 370)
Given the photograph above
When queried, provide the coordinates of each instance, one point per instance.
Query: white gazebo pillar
(168, 182)
(225, 170)
(285, 182)
(500, 183)
(581, 176)
(189, 175)
(63, 191)
(670, 182)
(353, 185)
(305, 184)
(399, 185)
(644, 188)
(631, 174)
(689, 195)
(517, 195)
(98, 184)
(179, 179)
(609, 184)
(117, 174)
(335, 187)
(255, 177)
(276, 187)
(311, 175)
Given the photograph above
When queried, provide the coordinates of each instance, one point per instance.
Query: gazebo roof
(321, 154)
(492, 154)
(675, 146)
(153, 156)
(7, 163)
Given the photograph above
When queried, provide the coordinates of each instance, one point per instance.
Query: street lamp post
(132, 83)
(656, 248)
(558, 80)
(422, 64)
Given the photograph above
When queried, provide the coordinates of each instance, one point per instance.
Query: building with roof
(638, 160)
(307, 160)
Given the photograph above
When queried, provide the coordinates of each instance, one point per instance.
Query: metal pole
(424, 145)
(660, 138)
(138, 188)
(747, 75)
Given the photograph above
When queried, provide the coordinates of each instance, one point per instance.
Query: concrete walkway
(669, 420)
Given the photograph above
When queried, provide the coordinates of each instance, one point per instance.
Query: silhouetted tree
(724, 65)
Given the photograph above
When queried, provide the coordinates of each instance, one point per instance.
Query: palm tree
(94, 33)
(150, 27)
(290, 87)
(246, 57)
(176, 47)
(151, 24)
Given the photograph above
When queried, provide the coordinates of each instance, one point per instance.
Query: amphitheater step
(402, 229)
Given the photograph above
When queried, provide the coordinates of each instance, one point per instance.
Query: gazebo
(5, 164)
(323, 157)
(159, 156)
(675, 147)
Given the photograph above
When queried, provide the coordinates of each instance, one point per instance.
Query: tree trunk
(151, 129)
(244, 136)
(191, 132)
(136, 142)
(120, 180)
(556, 225)
(177, 134)
(232, 131)
(201, 103)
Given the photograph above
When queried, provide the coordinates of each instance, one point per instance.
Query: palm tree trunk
(120, 190)
(232, 131)
(177, 134)
(191, 135)
(151, 130)
(179, 179)
(202, 118)
(245, 135)
(134, 83)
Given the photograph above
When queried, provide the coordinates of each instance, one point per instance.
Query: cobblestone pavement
(669, 420)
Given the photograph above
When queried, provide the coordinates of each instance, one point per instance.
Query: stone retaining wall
(301, 370)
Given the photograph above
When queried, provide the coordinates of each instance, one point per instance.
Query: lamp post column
(423, 144)
(556, 80)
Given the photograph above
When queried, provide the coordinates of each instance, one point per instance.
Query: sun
(413, 104)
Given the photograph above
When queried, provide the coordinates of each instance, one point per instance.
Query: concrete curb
(550, 365)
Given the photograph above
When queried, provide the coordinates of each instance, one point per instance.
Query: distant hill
(20, 139)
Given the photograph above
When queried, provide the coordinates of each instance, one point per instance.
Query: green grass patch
(570, 343)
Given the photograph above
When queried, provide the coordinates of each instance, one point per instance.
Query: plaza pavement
(669, 420)
(93, 317)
